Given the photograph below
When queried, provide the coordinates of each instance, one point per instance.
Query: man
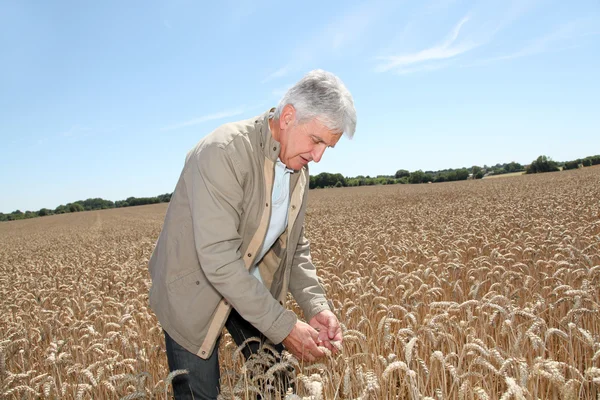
(233, 240)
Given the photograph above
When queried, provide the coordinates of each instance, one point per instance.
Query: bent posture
(233, 243)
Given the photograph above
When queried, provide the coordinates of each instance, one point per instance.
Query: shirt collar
(280, 164)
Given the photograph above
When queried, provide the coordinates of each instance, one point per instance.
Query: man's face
(302, 143)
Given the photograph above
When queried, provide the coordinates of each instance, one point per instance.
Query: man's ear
(287, 116)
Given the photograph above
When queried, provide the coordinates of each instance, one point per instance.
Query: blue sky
(104, 99)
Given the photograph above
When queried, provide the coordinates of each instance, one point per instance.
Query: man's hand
(301, 342)
(328, 326)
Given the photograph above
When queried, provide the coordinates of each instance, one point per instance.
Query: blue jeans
(202, 382)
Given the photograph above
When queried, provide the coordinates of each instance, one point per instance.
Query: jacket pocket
(192, 302)
(193, 280)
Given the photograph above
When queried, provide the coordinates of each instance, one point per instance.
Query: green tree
(417, 177)
(96, 204)
(61, 209)
(513, 167)
(462, 174)
(572, 164)
(440, 178)
(401, 173)
(325, 179)
(30, 214)
(165, 198)
(451, 176)
(542, 164)
(75, 207)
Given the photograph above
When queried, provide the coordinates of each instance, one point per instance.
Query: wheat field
(467, 290)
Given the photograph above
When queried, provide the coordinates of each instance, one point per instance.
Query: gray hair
(321, 95)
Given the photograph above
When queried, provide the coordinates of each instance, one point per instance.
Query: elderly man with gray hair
(233, 241)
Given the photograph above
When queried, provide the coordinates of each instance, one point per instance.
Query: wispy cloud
(450, 47)
(422, 68)
(481, 25)
(564, 37)
(208, 117)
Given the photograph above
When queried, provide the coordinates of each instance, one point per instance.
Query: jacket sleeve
(304, 284)
(215, 194)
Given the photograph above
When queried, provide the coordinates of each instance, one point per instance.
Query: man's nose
(318, 151)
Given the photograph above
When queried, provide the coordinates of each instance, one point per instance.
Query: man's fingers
(304, 344)
(313, 349)
(315, 324)
(323, 336)
(332, 331)
(333, 327)
(314, 334)
(309, 354)
(327, 344)
(317, 352)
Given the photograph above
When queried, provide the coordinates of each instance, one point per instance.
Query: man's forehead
(329, 137)
(320, 131)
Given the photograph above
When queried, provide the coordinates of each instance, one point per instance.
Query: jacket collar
(269, 146)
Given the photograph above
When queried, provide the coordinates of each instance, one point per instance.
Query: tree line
(546, 164)
(86, 205)
(325, 180)
(402, 176)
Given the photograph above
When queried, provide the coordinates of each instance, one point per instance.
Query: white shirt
(280, 203)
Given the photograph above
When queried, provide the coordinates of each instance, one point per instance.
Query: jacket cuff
(282, 327)
(316, 306)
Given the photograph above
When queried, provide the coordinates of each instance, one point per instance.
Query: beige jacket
(215, 226)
